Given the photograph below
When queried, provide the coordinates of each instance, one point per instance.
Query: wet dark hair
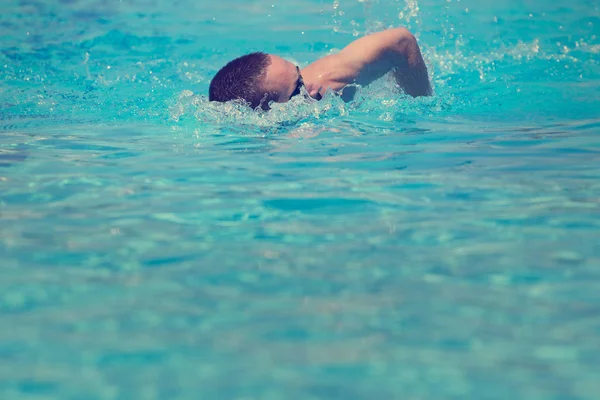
(242, 78)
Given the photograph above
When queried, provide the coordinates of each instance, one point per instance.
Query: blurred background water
(156, 246)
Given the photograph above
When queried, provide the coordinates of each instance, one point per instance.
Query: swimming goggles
(300, 85)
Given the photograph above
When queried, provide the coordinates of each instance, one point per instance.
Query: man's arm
(372, 56)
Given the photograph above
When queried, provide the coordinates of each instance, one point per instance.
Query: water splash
(410, 13)
(382, 103)
(235, 113)
(362, 17)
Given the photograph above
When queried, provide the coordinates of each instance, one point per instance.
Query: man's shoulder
(333, 71)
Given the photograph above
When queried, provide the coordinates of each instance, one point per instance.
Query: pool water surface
(156, 246)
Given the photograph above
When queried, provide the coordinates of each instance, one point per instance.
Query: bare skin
(361, 62)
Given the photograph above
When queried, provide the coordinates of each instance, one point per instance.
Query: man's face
(282, 79)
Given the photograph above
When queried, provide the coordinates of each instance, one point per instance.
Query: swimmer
(260, 78)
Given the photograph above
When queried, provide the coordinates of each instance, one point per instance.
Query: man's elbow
(403, 42)
(402, 33)
(411, 70)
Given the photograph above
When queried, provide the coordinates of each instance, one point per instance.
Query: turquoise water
(156, 246)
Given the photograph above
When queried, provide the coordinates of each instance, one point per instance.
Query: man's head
(257, 78)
